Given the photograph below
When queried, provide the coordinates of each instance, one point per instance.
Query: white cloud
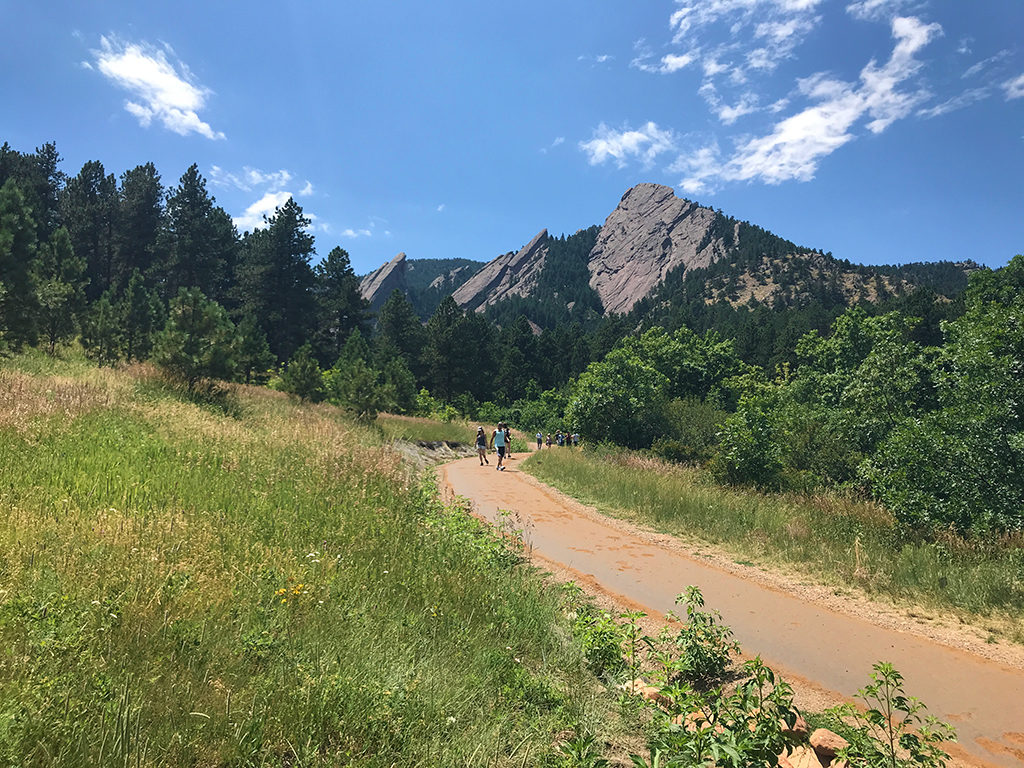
(251, 178)
(600, 58)
(159, 89)
(1014, 88)
(354, 233)
(558, 141)
(253, 218)
(797, 144)
(965, 99)
(440, 208)
(644, 144)
(984, 63)
(760, 35)
(878, 10)
(307, 190)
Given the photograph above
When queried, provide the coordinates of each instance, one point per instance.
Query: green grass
(835, 539)
(181, 585)
(415, 428)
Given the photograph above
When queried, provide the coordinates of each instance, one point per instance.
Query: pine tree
(60, 276)
(341, 308)
(198, 342)
(142, 314)
(275, 281)
(200, 240)
(400, 333)
(303, 377)
(141, 202)
(89, 211)
(254, 355)
(101, 331)
(18, 253)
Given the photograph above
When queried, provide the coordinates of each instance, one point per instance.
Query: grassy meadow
(255, 583)
(840, 541)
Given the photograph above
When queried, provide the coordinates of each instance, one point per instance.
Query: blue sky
(881, 130)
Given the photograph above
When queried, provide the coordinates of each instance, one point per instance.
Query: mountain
(512, 274)
(424, 281)
(650, 234)
(657, 257)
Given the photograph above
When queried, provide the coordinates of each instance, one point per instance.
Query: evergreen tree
(141, 200)
(142, 313)
(102, 332)
(303, 376)
(200, 240)
(61, 289)
(89, 210)
(198, 342)
(400, 333)
(341, 308)
(442, 355)
(275, 281)
(40, 181)
(18, 267)
(254, 355)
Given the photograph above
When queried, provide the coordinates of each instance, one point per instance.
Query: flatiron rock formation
(514, 274)
(379, 284)
(649, 234)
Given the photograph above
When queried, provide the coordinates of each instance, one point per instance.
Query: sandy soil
(823, 643)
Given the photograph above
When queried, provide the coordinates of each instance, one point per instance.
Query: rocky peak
(512, 274)
(649, 234)
(379, 284)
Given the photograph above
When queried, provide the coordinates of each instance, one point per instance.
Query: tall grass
(415, 428)
(181, 586)
(841, 540)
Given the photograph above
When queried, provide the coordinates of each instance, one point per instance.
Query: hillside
(251, 581)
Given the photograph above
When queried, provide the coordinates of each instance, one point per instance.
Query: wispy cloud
(1014, 88)
(440, 208)
(251, 178)
(354, 233)
(977, 69)
(600, 58)
(160, 88)
(879, 10)
(960, 101)
(797, 144)
(307, 190)
(558, 141)
(644, 144)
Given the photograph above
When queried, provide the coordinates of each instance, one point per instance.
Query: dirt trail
(812, 644)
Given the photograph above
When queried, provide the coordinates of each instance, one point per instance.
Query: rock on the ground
(799, 730)
(801, 757)
(826, 743)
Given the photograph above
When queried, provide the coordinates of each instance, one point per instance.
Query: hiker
(549, 439)
(508, 442)
(540, 439)
(498, 442)
(481, 445)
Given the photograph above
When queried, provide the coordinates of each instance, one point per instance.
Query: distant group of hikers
(501, 440)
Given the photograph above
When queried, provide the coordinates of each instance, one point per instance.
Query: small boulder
(826, 743)
(802, 757)
(799, 730)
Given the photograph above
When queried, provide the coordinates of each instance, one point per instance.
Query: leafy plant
(704, 643)
(893, 731)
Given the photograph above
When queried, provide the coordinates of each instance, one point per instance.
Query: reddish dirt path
(807, 642)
